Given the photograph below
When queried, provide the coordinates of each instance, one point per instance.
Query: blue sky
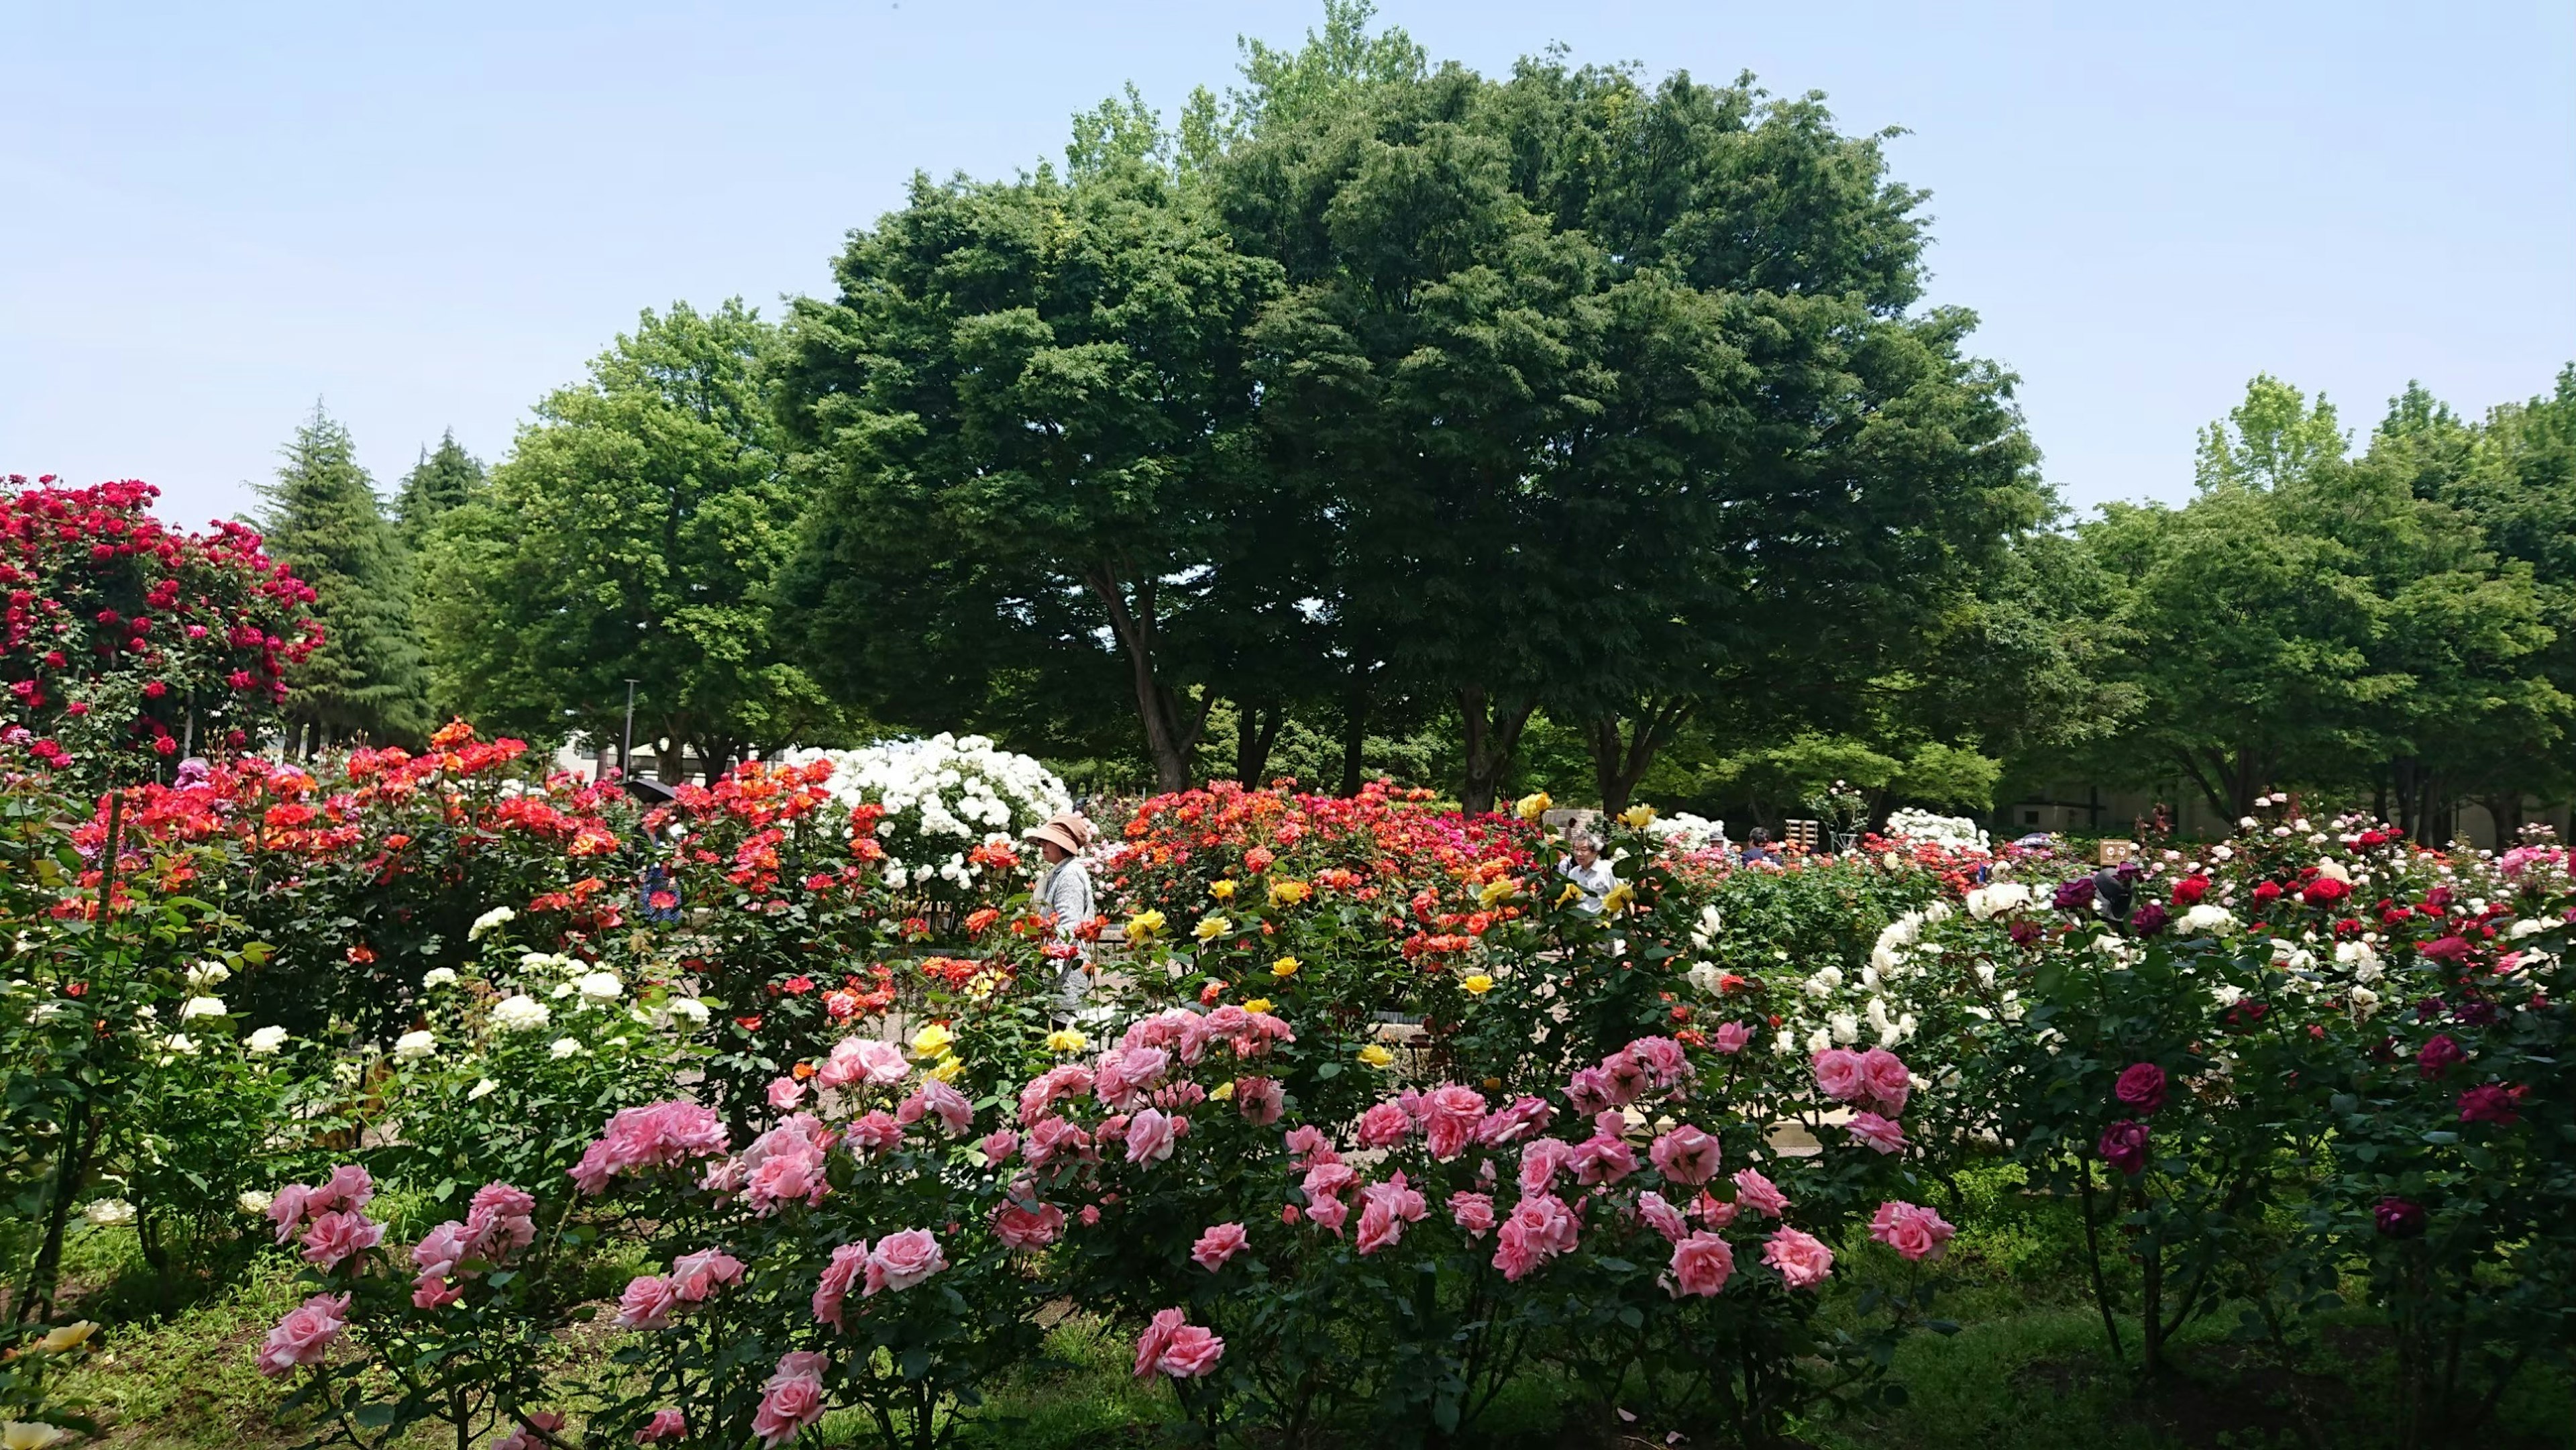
(428, 217)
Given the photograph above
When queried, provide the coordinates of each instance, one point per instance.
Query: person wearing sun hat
(1065, 893)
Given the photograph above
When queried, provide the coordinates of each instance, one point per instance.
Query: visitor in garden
(1758, 848)
(1064, 892)
(1582, 865)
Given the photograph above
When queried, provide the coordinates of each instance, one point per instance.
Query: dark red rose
(2142, 1087)
(2490, 1104)
(2150, 919)
(2325, 891)
(2124, 1146)
(2452, 949)
(2398, 1218)
(2268, 892)
(2437, 1055)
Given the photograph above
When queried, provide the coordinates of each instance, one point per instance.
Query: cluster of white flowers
(1687, 832)
(1914, 824)
(942, 797)
(520, 1013)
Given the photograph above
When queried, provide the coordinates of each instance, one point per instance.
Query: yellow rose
(1637, 817)
(1289, 893)
(932, 1040)
(1532, 806)
(1065, 1039)
(1257, 1004)
(1570, 892)
(1477, 985)
(946, 1069)
(1222, 1092)
(1212, 927)
(1222, 890)
(1376, 1055)
(30, 1435)
(1497, 890)
(1617, 899)
(68, 1337)
(1285, 967)
(1145, 925)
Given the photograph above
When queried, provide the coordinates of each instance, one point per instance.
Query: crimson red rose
(2142, 1087)
(2325, 891)
(2124, 1146)
(2189, 890)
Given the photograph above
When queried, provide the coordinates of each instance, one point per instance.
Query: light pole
(626, 747)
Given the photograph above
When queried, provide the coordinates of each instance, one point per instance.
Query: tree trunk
(1256, 729)
(2505, 809)
(1493, 733)
(1620, 758)
(1354, 743)
(1172, 723)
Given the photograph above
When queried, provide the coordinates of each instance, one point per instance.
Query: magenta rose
(2437, 1055)
(2490, 1104)
(2142, 1086)
(2124, 1146)
(2398, 1218)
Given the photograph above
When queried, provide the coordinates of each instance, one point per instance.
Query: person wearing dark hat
(1064, 892)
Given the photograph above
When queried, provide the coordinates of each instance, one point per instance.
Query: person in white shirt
(1582, 865)
(1064, 893)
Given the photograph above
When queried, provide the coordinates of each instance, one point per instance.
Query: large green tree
(368, 678)
(632, 534)
(1022, 419)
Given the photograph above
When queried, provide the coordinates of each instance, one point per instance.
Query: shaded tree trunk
(2505, 807)
(1623, 749)
(1172, 721)
(2228, 779)
(1256, 729)
(1493, 732)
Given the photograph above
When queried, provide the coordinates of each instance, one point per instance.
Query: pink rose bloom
(849, 1262)
(786, 1178)
(793, 1398)
(1732, 1036)
(335, 1238)
(1662, 1058)
(525, 1437)
(441, 1250)
(665, 1425)
(1709, 1209)
(1686, 1155)
(1192, 1352)
(1451, 1115)
(875, 1133)
(1384, 1126)
(696, 1276)
(1662, 1217)
(1150, 1135)
(904, 1259)
(289, 1209)
(1028, 1228)
(1220, 1243)
(1379, 1227)
(1800, 1259)
(500, 1220)
(1915, 1232)
(1602, 1159)
(1473, 1212)
(999, 1145)
(1760, 1194)
(1156, 1338)
(786, 1093)
(937, 1099)
(1259, 1099)
(647, 1303)
(1876, 1132)
(1328, 1213)
(1839, 1075)
(1524, 1118)
(1308, 1145)
(1327, 1180)
(304, 1335)
(863, 1059)
(1541, 1160)
(1702, 1264)
(348, 1188)
(1887, 1080)
(429, 1291)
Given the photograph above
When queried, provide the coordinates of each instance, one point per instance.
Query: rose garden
(1346, 499)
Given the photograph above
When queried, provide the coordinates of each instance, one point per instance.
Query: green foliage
(631, 535)
(445, 477)
(369, 679)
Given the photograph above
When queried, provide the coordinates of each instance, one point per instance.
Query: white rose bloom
(2206, 917)
(2526, 927)
(109, 1212)
(1785, 1044)
(437, 977)
(2227, 994)
(601, 986)
(208, 974)
(196, 1007)
(2246, 823)
(415, 1046)
(481, 1090)
(520, 1013)
(179, 1044)
(1819, 1040)
(2365, 1002)
(267, 1040)
(2361, 957)
(690, 1010)
(1704, 975)
(1988, 902)
(497, 916)
(565, 1047)
(1846, 1028)
(254, 1201)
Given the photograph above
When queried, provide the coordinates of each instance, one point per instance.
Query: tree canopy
(320, 515)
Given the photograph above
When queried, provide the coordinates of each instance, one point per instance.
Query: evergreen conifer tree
(445, 477)
(321, 514)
